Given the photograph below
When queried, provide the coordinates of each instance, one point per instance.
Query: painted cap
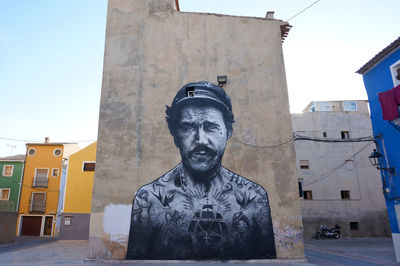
(201, 92)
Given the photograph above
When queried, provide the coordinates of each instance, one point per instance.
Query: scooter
(328, 233)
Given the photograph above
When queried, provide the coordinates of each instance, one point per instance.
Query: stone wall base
(202, 262)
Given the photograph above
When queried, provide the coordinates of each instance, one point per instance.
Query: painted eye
(187, 127)
(210, 127)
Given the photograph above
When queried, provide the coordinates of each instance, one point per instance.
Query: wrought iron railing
(40, 181)
(38, 206)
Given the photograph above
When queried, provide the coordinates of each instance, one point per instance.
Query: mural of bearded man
(199, 209)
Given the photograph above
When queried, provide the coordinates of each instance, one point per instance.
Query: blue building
(382, 81)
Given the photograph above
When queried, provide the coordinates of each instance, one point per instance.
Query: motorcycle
(328, 233)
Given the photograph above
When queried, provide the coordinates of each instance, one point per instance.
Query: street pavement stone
(351, 251)
(25, 242)
(65, 252)
(345, 251)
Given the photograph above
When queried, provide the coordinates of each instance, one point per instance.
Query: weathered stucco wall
(8, 223)
(78, 229)
(151, 52)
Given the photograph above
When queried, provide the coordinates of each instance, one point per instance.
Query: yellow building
(76, 198)
(41, 187)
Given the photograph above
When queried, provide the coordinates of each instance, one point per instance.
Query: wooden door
(48, 226)
(31, 225)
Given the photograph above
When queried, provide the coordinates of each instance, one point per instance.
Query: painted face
(201, 138)
(242, 226)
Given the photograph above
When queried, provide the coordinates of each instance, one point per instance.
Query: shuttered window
(89, 167)
(8, 170)
(38, 202)
(4, 194)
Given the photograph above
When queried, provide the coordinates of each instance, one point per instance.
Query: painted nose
(201, 136)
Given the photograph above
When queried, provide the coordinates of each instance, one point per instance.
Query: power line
(38, 141)
(297, 137)
(34, 188)
(263, 147)
(328, 173)
(304, 10)
(360, 139)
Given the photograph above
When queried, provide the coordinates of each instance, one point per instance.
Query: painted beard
(202, 160)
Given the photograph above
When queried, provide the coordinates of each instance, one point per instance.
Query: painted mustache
(202, 150)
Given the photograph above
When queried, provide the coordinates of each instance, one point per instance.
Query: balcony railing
(38, 206)
(40, 181)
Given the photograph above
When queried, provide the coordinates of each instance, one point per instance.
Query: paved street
(358, 251)
(350, 251)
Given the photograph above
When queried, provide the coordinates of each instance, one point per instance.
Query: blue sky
(51, 58)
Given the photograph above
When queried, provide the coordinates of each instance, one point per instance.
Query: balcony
(38, 207)
(40, 182)
(38, 202)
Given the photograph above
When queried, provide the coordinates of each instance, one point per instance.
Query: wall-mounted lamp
(222, 80)
(376, 158)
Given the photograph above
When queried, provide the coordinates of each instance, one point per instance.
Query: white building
(339, 184)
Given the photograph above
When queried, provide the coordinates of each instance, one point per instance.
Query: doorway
(31, 225)
(48, 226)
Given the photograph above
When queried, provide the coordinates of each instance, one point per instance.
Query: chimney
(270, 15)
(46, 139)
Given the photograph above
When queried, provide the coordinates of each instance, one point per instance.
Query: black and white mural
(199, 209)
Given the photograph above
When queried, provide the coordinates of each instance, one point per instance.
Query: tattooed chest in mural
(229, 219)
(199, 209)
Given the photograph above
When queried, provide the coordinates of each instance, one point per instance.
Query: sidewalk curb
(197, 262)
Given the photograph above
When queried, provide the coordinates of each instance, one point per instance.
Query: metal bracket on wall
(395, 123)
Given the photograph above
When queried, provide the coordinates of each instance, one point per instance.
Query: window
(324, 134)
(353, 225)
(395, 70)
(345, 194)
(300, 189)
(67, 220)
(55, 172)
(89, 166)
(190, 92)
(41, 178)
(345, 134)
(349, 165)
(31, 152)
(5, 194)
(324, 106)
(57, 152)
(398, 74)
(349, 106)
(38, 202)
(304, 164)
(307, 194)
(8, 170)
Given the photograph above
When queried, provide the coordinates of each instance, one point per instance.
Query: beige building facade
(340, 186)
(151, 51)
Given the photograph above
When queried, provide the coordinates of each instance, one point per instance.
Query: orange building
(41, 187)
